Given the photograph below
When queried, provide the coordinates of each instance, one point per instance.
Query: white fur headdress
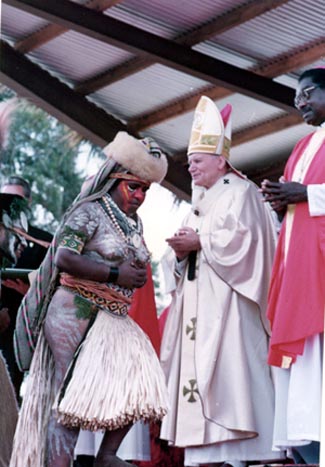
(141, 157)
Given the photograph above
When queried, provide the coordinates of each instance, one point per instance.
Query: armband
(113, 274)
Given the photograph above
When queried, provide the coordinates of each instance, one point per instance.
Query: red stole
(297, 289)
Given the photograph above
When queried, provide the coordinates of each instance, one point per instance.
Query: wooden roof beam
(112, 75)
(175, 108)
(232, 18)
(122, 35)
(297, 58)
(283, 64)
(51, 31)
(265, 128)
(39, 38)
(50, 94)
(47, 92)
(218, 25)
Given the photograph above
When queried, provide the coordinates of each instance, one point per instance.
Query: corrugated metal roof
(248, 112)
(154, 89)
(16, 24)
(276, 32)
(175, 133)
(146, 90)
(226, 55)
(180, 16)
(267, 149)
(172, 134)
(86, 57)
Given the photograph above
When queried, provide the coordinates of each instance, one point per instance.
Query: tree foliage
(44, 152)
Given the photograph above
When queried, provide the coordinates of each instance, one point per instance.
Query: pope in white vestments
(215, 342)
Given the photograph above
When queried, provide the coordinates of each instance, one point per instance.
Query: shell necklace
(126, 227)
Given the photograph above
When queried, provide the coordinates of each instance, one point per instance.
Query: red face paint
(129, 195)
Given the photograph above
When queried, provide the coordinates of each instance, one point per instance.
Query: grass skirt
(29, 447)
(117, 378)
(8, 414)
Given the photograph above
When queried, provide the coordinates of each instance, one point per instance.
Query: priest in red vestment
(297, 291)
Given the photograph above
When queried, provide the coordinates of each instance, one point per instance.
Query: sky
(161, 216)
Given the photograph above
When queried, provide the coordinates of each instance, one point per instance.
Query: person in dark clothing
(13, 290)
(13, 223)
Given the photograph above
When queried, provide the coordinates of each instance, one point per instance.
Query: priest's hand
(280, 194)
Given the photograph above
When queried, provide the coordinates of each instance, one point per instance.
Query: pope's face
(206, 169)
(129, 195)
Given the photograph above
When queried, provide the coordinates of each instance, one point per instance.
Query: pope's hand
(184, 241)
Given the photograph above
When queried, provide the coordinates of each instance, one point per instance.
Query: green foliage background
(45, 152)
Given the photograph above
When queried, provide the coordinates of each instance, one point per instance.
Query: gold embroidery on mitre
(202, 105)
(195, 138)
(226, 147)
(210, 140)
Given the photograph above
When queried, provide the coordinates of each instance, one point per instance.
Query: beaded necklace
(127, 228)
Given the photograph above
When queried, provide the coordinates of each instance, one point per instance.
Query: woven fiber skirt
(8, 414)
(116, 380)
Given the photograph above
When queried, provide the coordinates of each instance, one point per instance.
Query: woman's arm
(128, 275)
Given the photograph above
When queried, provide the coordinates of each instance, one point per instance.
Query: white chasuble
(215, 341)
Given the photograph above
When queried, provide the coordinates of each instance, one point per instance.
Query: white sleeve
(316, 199)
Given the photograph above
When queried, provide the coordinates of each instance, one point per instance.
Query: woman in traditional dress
(93, 367)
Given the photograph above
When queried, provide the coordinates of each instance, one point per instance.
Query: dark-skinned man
(297, 289)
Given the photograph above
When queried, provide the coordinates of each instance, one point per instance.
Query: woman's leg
(63, 332)
(106, 456)
(61, 442)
